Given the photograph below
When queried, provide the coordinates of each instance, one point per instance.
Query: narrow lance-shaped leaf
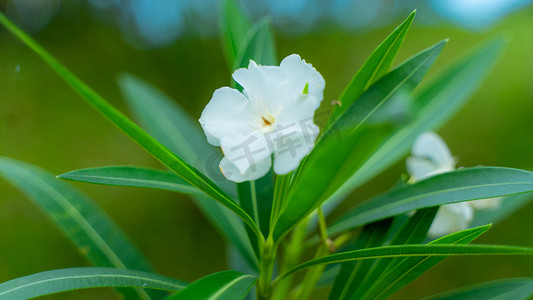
(352, 273)
(408, 269)
(218, 286)
(64, 280)
(235, 26)
(96, 236)
(414, 231)
(412, 250)
(176, 129)
(133, 176)
(258, 45)
(431, 108)
(456, 186)
(326, 161)
(375, 66)
(136, 133)
(512, 288)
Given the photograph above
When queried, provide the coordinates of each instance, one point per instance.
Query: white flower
(273, 115)
(430, 156)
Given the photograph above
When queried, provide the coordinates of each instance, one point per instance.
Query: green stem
(312, 276)
(268, 257)
(291, 255)
(280, 191)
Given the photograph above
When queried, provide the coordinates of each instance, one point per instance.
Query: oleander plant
(267, 162)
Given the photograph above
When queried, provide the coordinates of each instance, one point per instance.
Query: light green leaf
(235, 26)
(411, 250)
(174, 127)
(64, 280)
(512, 288)
(375, 66)
(221, 285)
(136, 133)
(408, 269)
(431, 108)
(96, 236)
(331, 157)
(456, 186)
(133, 176)
(258, 46)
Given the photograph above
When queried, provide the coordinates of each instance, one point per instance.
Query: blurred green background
(42, 121)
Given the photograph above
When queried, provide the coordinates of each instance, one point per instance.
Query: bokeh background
(174, 45)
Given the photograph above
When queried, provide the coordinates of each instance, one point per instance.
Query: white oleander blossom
(273, 115)
(431, 156)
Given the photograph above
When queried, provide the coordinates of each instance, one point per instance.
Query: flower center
(266, 122)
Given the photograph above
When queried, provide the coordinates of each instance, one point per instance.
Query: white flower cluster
(430, 156)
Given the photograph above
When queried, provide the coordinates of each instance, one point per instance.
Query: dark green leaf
(331, 157)
(375, 66)
(456, 186)
(412, 250)
(133, 176)
(408, 269)
(222, 285)
(96, 236)
(515, 289)
(414, 231)
(63, 280)
(352, 273)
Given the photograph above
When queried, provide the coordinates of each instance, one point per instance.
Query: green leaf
(414, 231)
(258, 46)
(408, 269)
(507, 206)
(352, 273)
(175, 128)
(456, 186)
(515, 288)
(431, 108)
(64, 280)
(375, 66)
(221, 285)
(96, 236)
(136, 133)
(331, 157)
(133, 176)
(235, 26)
(411, 250)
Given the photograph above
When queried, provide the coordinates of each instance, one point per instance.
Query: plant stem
(291, 255)
(268, 257)
(313, 275)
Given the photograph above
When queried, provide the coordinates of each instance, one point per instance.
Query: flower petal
(451, 218)
(228, 112)
(266, 86)
(301, 73)
(292, 143)
(232, 173)
(246, 152)
(490, 203)
(432, 147)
